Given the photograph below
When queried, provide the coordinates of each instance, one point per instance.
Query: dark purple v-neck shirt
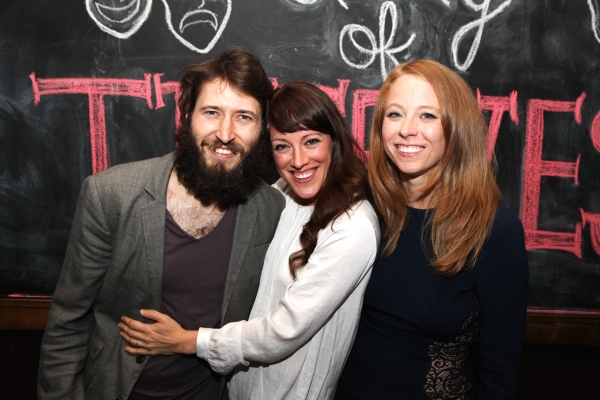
(194, 274)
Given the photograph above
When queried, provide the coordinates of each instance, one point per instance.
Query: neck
(190, 214)
(415, 196)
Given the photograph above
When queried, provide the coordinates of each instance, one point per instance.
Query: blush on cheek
(280, 162)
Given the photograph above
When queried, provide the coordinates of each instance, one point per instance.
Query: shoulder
(267, 197)
(504, 251)
(506, 224)
(360, 220)
(127, 182)
(135, 173)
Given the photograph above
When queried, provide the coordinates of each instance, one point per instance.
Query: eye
(245, 117)
(393, 114)
(279, 147)
(211, 113)
(428, 116)
(312, 141)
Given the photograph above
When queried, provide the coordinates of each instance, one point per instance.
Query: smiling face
(412, 130)
(225, 123)
(302, 159)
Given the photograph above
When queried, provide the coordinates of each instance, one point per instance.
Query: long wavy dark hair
(299, 106)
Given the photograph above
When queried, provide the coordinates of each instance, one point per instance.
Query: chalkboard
(86, 84)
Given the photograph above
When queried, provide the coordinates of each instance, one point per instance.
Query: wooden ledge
(543, 326)
(565, 329)
(24, 314)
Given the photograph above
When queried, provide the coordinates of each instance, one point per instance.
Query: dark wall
(83, 88)
(547, 372)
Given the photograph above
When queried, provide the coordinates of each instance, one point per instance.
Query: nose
(408, 128)
(225, 131)
(299, 159)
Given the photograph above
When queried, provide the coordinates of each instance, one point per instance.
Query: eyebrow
(284, 138)
(418, 107)
(240, 111)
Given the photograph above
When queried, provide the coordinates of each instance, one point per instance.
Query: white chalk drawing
(479, 24)
(383, 48)
(123, 18)
(194, 16)
(308, 2)
(120, 18)
(594, 10)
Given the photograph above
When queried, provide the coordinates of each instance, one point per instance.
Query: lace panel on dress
(449, 376)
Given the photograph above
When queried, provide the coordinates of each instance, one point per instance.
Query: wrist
(187, 344)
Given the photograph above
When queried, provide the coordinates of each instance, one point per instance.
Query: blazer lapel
(153, 222)
(153, 219)
(244, 228)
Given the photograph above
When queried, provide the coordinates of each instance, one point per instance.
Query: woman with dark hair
(316, 269)
(453, 266)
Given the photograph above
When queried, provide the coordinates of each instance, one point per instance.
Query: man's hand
(164, 337)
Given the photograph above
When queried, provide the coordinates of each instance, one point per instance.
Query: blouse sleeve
(502, 285)
(342, 259)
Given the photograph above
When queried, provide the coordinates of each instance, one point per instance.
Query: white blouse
(299, 333)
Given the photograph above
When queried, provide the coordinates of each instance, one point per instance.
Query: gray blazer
(113, 267)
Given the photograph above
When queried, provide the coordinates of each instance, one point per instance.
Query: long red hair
(462, 187)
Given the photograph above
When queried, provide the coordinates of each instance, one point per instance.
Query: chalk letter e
(535, 168)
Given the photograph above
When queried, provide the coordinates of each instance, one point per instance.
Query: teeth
(305, 175)
(410, 149)
(223, 151)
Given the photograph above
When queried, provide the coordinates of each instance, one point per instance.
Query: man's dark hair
(238, 67)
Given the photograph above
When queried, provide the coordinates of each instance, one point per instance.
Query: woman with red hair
(453, 266)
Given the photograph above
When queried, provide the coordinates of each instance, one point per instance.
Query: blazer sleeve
(65, 344)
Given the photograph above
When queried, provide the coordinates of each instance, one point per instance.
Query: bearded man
(185, 234)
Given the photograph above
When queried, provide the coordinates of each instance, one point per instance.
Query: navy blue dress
(416, 326)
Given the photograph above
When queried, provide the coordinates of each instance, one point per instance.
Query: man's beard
(216, 184)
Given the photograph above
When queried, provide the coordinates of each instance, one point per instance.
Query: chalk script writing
(123, 20)
(534, 168)
(383, 49)
(594, 10)
(342, 3)
(479, 24)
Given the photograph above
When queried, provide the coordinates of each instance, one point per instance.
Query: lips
(223, 151)
(304, 176)
(409, 150)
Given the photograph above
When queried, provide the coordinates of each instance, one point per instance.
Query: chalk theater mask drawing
(194, 23)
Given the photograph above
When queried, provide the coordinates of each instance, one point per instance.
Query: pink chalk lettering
(594, 222)
(165, 88)
(96, 89)
(338, 94)
(595, 131)
(497, 105)
(533, 170)
(363, 98)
